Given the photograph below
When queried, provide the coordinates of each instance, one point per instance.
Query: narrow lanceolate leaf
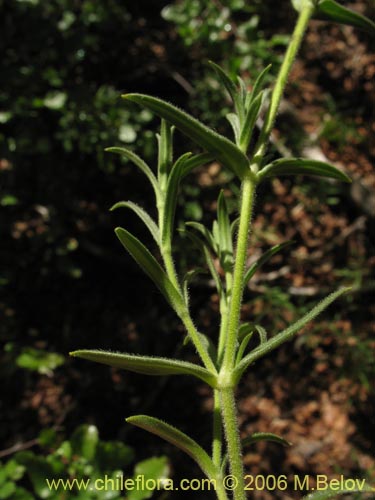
(143, 215)
(230, 86)
(225, 234)
(263, 259)
(194, 162)
(219, 146)
(258, 86)
(188, 278)
(301, 166)
(225, 80)
(286, 334)
(165, 152)
(262, 334)
(151, 267)
(262, 338)
(178, 439)
(242, 92)
(333, 11)
(264, 436)
(243, 345)
(244, 330)
(359, 486)
(146, 365)
(255, 438)
(203, 247)
(249, 123)
(235, 124)
(207, 235)
(142, 165)
(171, 198)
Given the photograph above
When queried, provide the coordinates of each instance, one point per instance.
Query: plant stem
(166, 252)
(282, 78)
(223, 333)
(194, 335)
(217, 432)
(246, 208)
(229, 415)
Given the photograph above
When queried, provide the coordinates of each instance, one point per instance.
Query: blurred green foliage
(38, 360)
(81, 459)
(64, 66)
(233, 34)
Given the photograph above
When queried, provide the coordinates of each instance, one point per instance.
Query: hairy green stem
(166, 252)
(246, 208)
(282, 78)
(229, 415)
(226, 383)
(220, 490)
(217, 431)
(194, 335)
(223, 333)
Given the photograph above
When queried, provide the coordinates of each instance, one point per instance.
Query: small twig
(19, 447)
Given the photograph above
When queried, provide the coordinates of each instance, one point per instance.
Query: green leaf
(177, 438)
(14, 470)
(255, 438)
(264, 436)
(235, 124)
(243, 345)
(146, 365)
(171, 198)
(207, 235)
(225, 234)
(38, 469)
(263, 259)
(258, 85)
(242, 92)
(7, 490)
(188, 278)
(155, 469)
(262, 334)
(333, 11)
(113, 455)
(142, 165)
(286, 334)
(8, 200)
(230, 86)
(143, 215)
(151, 267)
(219, 146)
(22, 494)
(225, 80)
(194, 162)
(165, 154)
(301, 166)
(328, 493)
(244, 330)
(84, 441)
(203, 247)
(39, 360)
(249, 123)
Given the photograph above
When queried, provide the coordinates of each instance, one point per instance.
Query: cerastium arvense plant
(224, 361)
